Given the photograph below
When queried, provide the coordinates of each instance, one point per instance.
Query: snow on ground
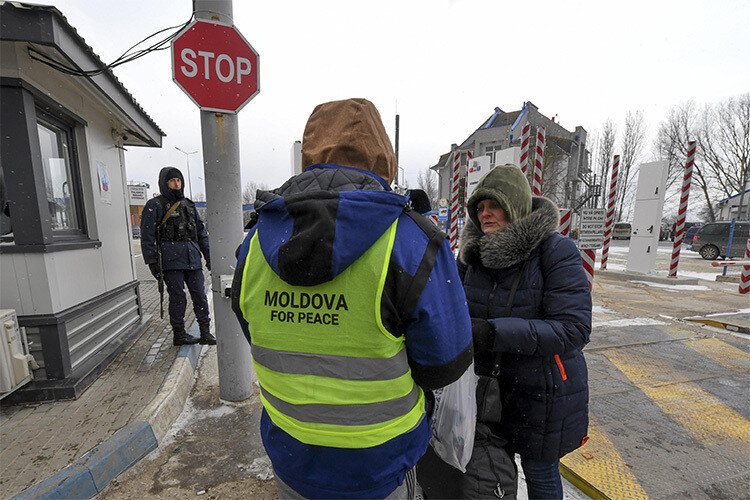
(741, 311)
(601, 310)
(674, 288)
(627, 322)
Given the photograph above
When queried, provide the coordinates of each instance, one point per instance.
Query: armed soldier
(173, 238)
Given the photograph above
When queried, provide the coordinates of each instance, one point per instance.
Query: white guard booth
(66, 254)
(649, 203)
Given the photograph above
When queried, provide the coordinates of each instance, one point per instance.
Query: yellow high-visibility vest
(330, 373)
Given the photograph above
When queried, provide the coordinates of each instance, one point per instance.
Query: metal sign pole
(221, 164)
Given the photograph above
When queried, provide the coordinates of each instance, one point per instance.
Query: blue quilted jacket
(543, 376)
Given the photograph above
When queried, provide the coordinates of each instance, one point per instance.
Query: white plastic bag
(454, 420)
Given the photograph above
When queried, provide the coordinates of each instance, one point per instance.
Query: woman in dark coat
(535, 350)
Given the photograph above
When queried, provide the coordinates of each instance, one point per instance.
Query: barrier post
(679, 233)
(525, 136)
(565, 219)
(453, 226)
(588, 258)
(745, 276)
(536, 186)
(611, 196)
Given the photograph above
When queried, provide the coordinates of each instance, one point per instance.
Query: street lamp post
(187, 164)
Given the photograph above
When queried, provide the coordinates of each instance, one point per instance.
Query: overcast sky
(444, 65)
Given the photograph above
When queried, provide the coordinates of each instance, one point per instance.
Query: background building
(729, 208)
(567, 175)
(66, 255)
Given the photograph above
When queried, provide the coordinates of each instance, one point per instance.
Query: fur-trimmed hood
(512, 244)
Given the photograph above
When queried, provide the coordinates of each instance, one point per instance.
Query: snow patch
(596, 309)
(261, 468)
(741, 311)
(627, 322)
(674, 288)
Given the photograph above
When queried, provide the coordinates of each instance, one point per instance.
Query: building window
(60, 175)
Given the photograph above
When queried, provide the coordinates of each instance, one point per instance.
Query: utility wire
(124, 58)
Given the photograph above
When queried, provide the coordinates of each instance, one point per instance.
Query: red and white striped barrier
(434, 219)
(525, 136)
(679, 233)
(611, 196)
(722, 263)
(565, 219)
(536, 185)
(453, 227)
(745, 277)
(588, 258)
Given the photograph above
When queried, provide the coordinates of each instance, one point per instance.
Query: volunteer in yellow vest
(353, 307)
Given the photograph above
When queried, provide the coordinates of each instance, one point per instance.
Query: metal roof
(27, 22)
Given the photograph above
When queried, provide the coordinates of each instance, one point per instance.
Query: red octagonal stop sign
(215, 66)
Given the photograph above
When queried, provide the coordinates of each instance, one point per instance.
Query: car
(711, 240)
(690, 234)
(136, 231)
(621, 231)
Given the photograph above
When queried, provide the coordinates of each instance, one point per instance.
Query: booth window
(60, 175)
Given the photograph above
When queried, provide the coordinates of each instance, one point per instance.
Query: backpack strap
(409, 300)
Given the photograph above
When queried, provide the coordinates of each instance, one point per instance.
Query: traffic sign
(443, 202)
(443, 213)
(591, 230)
(214, 64)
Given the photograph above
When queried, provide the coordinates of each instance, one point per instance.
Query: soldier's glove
(154, 268)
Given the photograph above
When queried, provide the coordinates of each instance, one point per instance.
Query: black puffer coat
(175, 254)
(543, 376)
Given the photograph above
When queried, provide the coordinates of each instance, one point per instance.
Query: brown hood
(349, 133)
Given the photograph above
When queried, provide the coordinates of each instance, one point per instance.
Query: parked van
(712, 239)
(621, 231)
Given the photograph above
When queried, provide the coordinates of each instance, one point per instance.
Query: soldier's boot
(181, 337)
(206, 337)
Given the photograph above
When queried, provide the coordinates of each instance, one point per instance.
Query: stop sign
(214, 64)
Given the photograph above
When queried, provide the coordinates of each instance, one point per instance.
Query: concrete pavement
(38, 440)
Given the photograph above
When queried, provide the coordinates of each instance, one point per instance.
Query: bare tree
(682, 125)
(554, 172)
(605, 151)
(632, 147)
(724, 144)
(427, 182)
(248, 192)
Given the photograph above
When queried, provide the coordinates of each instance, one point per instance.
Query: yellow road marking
(726, 355)
(700, 412)
(606, 471)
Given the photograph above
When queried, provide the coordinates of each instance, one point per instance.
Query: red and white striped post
(745, 276)
(679, 232)
(525, 136)
(611, 195)
(565, 219)
(453, 226)
(469, 157)
(588, 259)
(536, 185)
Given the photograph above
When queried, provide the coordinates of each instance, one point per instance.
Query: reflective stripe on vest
(329, 371)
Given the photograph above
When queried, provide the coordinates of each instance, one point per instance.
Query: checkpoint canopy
(591, 231)
(214, 64)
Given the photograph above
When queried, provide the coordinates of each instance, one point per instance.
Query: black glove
(208, 264)
(483, 334)
(154, 268)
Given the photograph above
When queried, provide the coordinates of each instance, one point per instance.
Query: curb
(89, 475)
(586, 488)
(720, 324)
(665, 280)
